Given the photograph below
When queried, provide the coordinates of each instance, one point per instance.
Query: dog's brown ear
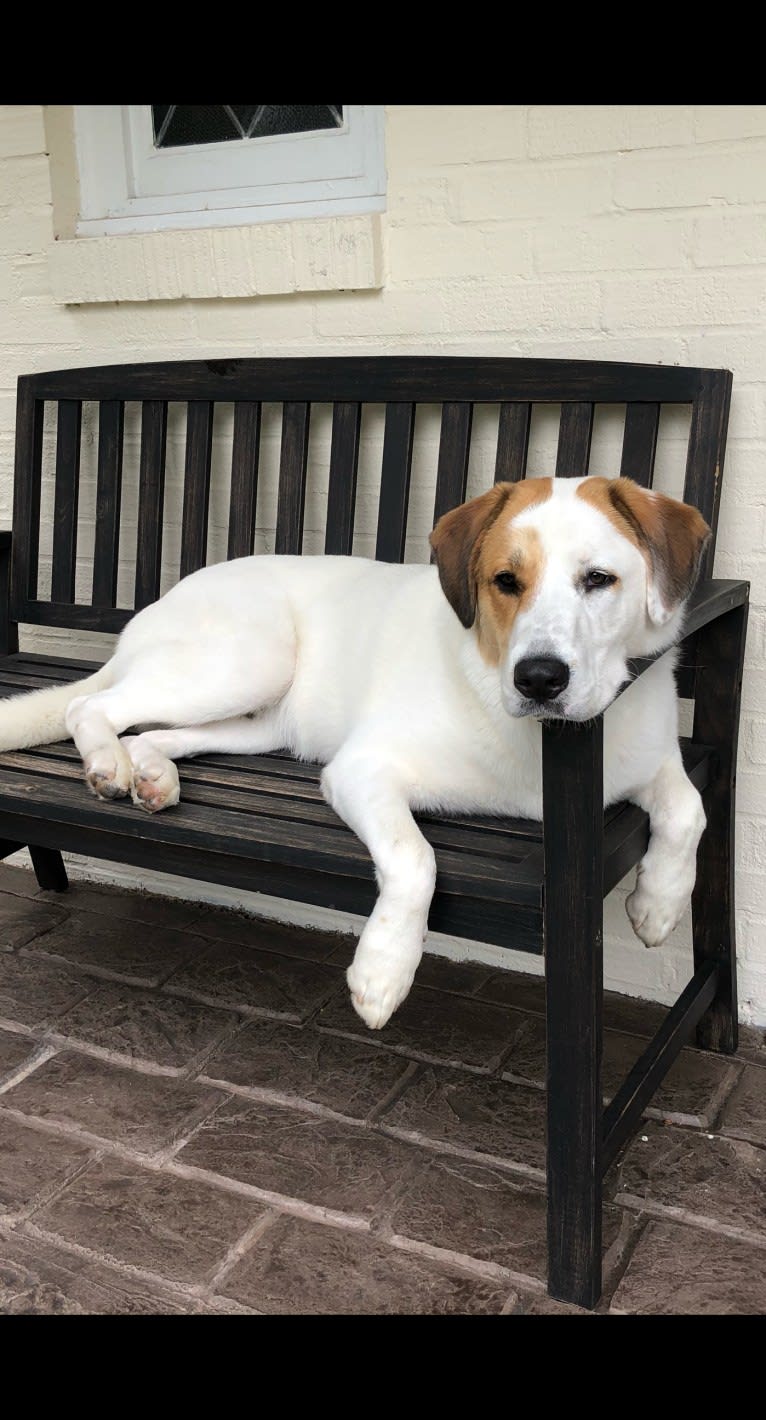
(455, 543)
(672, 536)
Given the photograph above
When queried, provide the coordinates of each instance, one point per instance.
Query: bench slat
(244, 478)
(639, 444)
(293, 464)
(575, 431)
(512, 442)
(199, 449)
(111, 424)
(344, 463)
(154, 428)
(395, 482)
(454, 451)
(65, 500)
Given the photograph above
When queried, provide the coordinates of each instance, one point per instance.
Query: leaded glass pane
(199, 123)
(177, 125)
(296, 118)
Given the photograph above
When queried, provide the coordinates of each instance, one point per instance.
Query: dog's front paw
(380, 977)
(654, 910)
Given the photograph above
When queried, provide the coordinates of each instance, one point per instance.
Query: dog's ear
(672, 536)
(455, 544)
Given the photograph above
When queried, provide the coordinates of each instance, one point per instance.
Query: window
(145, 167)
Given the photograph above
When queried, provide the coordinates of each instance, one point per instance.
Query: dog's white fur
(365, 667)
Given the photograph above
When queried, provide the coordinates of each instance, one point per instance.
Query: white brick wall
(627, 232)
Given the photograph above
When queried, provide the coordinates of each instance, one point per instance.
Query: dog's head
(563, 580)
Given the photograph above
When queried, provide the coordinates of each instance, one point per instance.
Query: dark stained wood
(344, 463)
(199, 448)
(720, 659)
(151, 496)
(49, 869)
(706, 452)
(512, 442)
(626, 1107)
(26, 493)
(454, 450)
(244, 478)
(639, 443)
(79, 617)
(376, 379)
(65, 500)
(575, 431)
(573, 796)
(111, 422)
(9, 629)
(292, 476)
(395, 482)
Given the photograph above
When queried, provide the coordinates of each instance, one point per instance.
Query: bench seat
(260, 822)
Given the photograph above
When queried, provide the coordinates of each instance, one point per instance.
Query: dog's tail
(37, 716)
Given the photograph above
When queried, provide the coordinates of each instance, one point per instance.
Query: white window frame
(128, 185)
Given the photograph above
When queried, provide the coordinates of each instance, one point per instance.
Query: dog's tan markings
(517, 550)
(670, 534)
(474, 542)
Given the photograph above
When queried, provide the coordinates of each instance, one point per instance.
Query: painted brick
(726, 298)
(28, 236)
(714, 121)
(459, 249)
(437, 135)
(747, 415)
(268, 259)
(499, 192)
(24, 181)
(613, 242)
(21, 130)
(429, 200)
(724, 239)
(559, 129)
(754, 740)
(691, 178)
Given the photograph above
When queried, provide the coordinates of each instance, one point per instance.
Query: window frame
(127, 185)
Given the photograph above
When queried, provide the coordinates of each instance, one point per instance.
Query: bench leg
(573, 836)
(49, 869)
(720, 654)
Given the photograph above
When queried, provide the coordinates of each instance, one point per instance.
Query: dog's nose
(541, 677)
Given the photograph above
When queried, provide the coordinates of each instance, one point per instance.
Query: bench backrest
(401, 384)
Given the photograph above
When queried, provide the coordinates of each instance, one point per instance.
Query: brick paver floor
(193, 1120)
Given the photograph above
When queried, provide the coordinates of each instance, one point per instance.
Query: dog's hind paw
(108, 774)
(155, 777)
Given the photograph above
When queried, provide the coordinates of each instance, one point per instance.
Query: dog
(418, 687)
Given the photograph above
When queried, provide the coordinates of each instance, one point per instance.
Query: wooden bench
(260, 823)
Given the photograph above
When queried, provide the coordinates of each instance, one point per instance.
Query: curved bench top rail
(377, 378)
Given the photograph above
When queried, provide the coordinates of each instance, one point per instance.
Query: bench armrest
(708, 601)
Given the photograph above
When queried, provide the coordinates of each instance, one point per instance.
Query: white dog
(418, 687)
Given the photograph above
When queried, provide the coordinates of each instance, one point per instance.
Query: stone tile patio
(193, 1120)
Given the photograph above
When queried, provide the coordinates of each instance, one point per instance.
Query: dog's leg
(210, 684)
(668, 869)
(372, 802)
(155, 777)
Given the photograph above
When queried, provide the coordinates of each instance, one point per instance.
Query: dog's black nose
(541, 677)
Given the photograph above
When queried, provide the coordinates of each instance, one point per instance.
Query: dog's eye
(596, 578)
(508, 583)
